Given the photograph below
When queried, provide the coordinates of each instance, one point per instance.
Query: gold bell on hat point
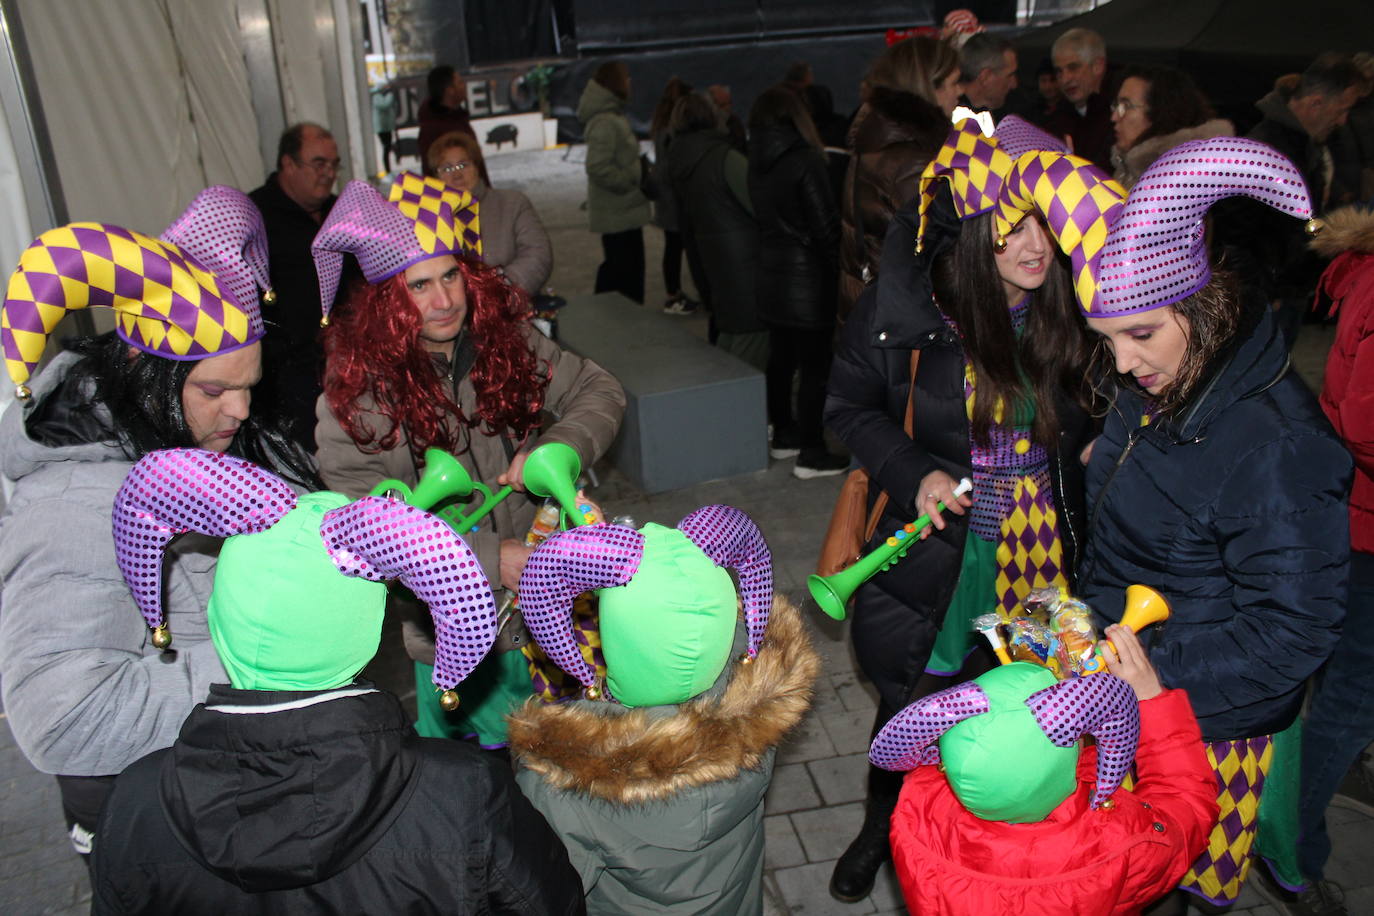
(448, 700)
(162, 637)
(1313, 227)
(1000, 243)
(746, 659)
(23, 392)
(270, 297)
(324, 322)
(592, 693)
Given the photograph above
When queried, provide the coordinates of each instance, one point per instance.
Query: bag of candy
(1071, 623)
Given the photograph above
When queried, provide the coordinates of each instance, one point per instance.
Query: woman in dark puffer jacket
(799, 230)
(910, 94)
(1216, 480)
(983, 322)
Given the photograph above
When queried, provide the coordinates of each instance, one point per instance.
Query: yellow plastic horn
(552, 470)
(832, 593)
(443, 479)
(1144, 606)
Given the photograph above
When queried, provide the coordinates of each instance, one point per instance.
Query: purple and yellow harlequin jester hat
(1156, 253)
(421, 219)
(1017, 712)
(188, 295)
(1079, 202)
(975, 165)
(667, 606)
(298, 597)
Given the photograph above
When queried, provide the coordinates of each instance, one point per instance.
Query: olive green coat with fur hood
(614, 201)
(662, 808)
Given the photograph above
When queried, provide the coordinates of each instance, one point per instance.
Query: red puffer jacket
(1113, 860)
(1348, 392)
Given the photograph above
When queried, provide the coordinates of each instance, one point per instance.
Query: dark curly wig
(373, 351)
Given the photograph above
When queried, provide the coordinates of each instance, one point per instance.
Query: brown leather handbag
(850, 526)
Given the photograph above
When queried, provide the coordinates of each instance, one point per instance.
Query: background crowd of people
(942, 300)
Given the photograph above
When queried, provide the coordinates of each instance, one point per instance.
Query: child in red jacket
(1018, 818)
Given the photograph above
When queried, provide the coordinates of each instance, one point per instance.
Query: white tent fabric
(15, 235)
(294, 32)
(149, 101)
(145, 107)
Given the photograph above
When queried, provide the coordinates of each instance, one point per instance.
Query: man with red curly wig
(435, 350)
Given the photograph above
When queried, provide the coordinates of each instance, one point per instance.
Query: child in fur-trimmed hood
(655, 781)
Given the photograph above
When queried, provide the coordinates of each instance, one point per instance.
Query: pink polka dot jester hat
(422, 219)
(1016, 712)
(1155, 253)
(668, 609)
(171, 492)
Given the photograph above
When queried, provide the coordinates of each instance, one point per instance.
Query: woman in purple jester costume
(1216, 479)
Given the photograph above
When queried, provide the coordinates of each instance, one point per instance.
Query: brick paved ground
(815, 805)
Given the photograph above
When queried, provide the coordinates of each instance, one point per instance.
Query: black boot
(856, 870)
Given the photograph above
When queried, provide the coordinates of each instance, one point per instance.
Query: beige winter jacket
(586, 405)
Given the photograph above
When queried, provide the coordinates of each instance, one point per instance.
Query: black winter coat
(897, 613)
(716, 226)
(799, 230)
(894, 136)
(1236, 513)
(293, 354)
(335, 806)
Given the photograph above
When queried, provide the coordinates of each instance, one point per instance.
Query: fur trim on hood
(1347, 229)
(636, 756)
(1128, 166)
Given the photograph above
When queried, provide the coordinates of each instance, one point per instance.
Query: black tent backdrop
(1233, 48)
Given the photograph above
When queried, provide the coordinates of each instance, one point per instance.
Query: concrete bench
(694, 412)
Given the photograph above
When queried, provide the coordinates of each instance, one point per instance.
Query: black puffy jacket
(716, 226)
(799, 230)
(1236, 513)
(897, 613)
(330, 804)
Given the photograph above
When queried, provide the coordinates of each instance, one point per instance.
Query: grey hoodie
(85, 691)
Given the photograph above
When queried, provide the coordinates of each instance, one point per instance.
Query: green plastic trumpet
(832, 593)
(444, 479)
(552, 470)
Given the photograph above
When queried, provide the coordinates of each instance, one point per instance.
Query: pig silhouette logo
(503, 133)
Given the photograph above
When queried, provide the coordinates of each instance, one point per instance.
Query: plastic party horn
(444, 479)
(987, 625)
(832, 593)
(1144, 606)
(551, 470)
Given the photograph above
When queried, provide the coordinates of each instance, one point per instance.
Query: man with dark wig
(87, 688)
(435, 350)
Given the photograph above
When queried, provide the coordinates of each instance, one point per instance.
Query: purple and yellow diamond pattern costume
(445, 219)
(1013, 543)
(1241, 768)
(165, 302)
